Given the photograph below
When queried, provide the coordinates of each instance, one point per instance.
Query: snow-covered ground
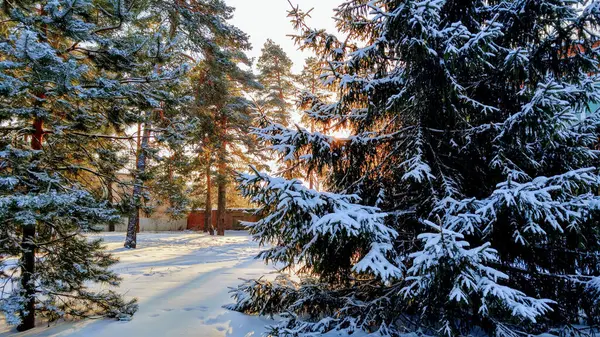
(181, 280)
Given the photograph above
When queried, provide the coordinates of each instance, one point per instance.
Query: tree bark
(221, 205)
(311, 175)
(208, 227)
(134, 217)
(27, 281)
(222, 181)
(28, 248)
(137, 159)
(282, 111)
(109, 197)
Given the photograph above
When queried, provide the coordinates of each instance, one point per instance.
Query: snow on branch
(297, 217)
(289, 142)
(447, 251)
(558, 201)
(554, 103)
(416, 167)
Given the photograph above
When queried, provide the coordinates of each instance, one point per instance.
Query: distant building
(157, 221)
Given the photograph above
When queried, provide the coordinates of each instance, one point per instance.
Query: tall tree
(236, 148)
(208, 227)
(225, 116)
(313, 93)
(466, 199)
(69, 71)
(110, 160)
(275, 75)
(208, 98)
(199, 28)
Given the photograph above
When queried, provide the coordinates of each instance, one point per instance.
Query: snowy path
(180, 280)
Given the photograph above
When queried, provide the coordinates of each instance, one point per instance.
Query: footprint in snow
(154, 315)
(220, 328)
(200, 308)
(168, 309)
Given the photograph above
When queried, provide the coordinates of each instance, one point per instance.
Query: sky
(263, 19)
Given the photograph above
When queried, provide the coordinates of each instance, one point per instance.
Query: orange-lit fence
(233, 217)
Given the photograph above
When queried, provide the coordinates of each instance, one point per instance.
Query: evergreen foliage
(312, 94)
(73, 73)
(275, 75)
(223, 116)
(185, 31)
(34, 197)
(465, 202)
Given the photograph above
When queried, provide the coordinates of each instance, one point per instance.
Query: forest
(415, 168)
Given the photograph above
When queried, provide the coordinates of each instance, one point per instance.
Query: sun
(340, 133)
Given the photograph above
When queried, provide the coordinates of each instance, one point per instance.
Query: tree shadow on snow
(236, 324)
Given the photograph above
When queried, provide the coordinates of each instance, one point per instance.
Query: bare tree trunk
(208, 227)
(134, 216)
(28, 248)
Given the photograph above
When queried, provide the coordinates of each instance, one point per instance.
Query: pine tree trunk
(137, 160)
(27, 282)
(288, 166)
(311, 175)
(280, 93)
(208, 227)
(134, 217)
(137, 221)
(221, 205)
(222, 181)
(109, 197)
(28, 249)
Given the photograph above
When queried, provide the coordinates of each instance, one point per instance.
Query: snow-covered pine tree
(43, 215)
(69, 70)
(472, 169)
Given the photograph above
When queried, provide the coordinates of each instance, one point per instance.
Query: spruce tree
(68, 70)
(187, 32)
(465, 202)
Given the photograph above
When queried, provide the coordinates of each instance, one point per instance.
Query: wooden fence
(195, 220)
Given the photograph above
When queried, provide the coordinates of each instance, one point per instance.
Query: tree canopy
(465, 198)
